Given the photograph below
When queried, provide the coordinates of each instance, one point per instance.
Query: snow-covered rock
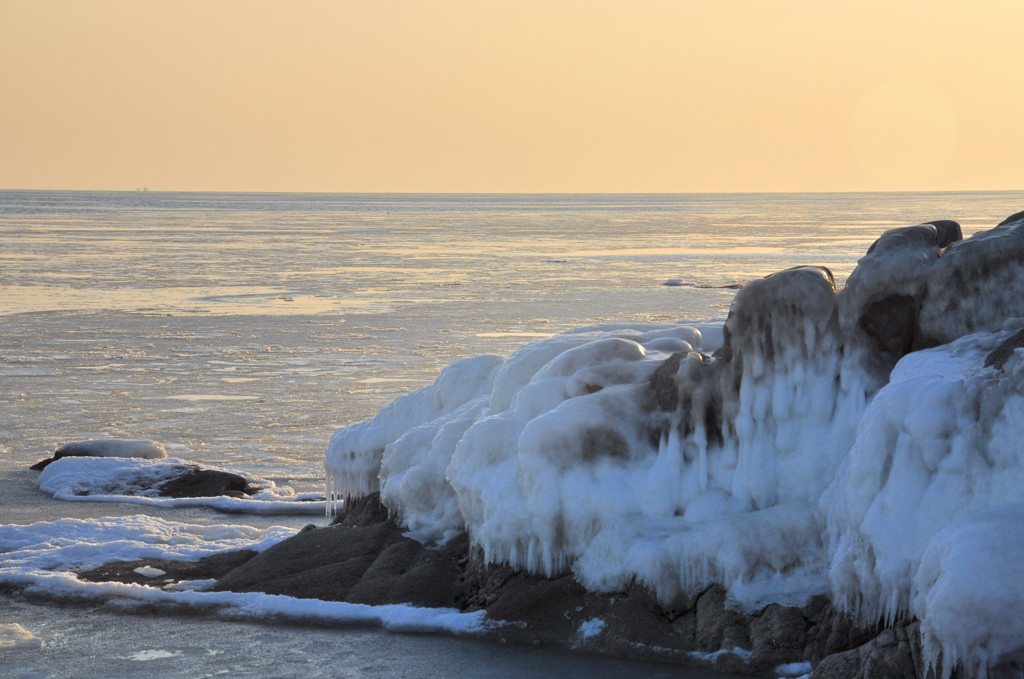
(140, 448)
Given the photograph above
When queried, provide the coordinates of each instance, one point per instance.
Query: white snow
(591, 628)
(741, 653)
(134, 480)
(787, 466)
(149, 571)
(795, 670)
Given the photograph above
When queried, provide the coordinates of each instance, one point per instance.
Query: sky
(512, 96)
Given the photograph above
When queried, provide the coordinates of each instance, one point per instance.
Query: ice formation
(143, 448)
(136, 480)
(140, 448)
(864, 444)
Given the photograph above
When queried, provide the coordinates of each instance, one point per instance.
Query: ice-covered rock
(976, 285)
(355, 453)
(878, 307)
(911, 522)
(170, 482)
(140, 448)
(861, 445)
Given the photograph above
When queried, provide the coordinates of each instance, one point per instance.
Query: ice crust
(815, 444)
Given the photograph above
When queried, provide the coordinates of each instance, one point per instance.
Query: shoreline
(701, 631)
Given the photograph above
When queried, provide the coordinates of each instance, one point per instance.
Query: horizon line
(511, 193)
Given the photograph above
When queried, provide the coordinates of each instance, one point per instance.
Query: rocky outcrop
(364, 558)
(364, 561)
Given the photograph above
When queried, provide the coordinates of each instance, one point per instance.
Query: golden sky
(510, 96)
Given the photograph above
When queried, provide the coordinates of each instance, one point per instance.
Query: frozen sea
(241, 330)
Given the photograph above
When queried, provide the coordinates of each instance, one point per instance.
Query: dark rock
(975, 285)
(998, 357)
(946, 232)
(719, 626)
(555, 610)
(322, 564)
(547, 605)
(778, 636)
(879, 308)
(205, 483)
(845, 665)
(892, 323)
(363, 511)
(663, 384)
(372, 563)
(208, 567)
(405, 572)
(939, 233)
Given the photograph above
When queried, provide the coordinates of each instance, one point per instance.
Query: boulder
(975, 286)
(360, 561)
(198, 482)
(142, 448)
